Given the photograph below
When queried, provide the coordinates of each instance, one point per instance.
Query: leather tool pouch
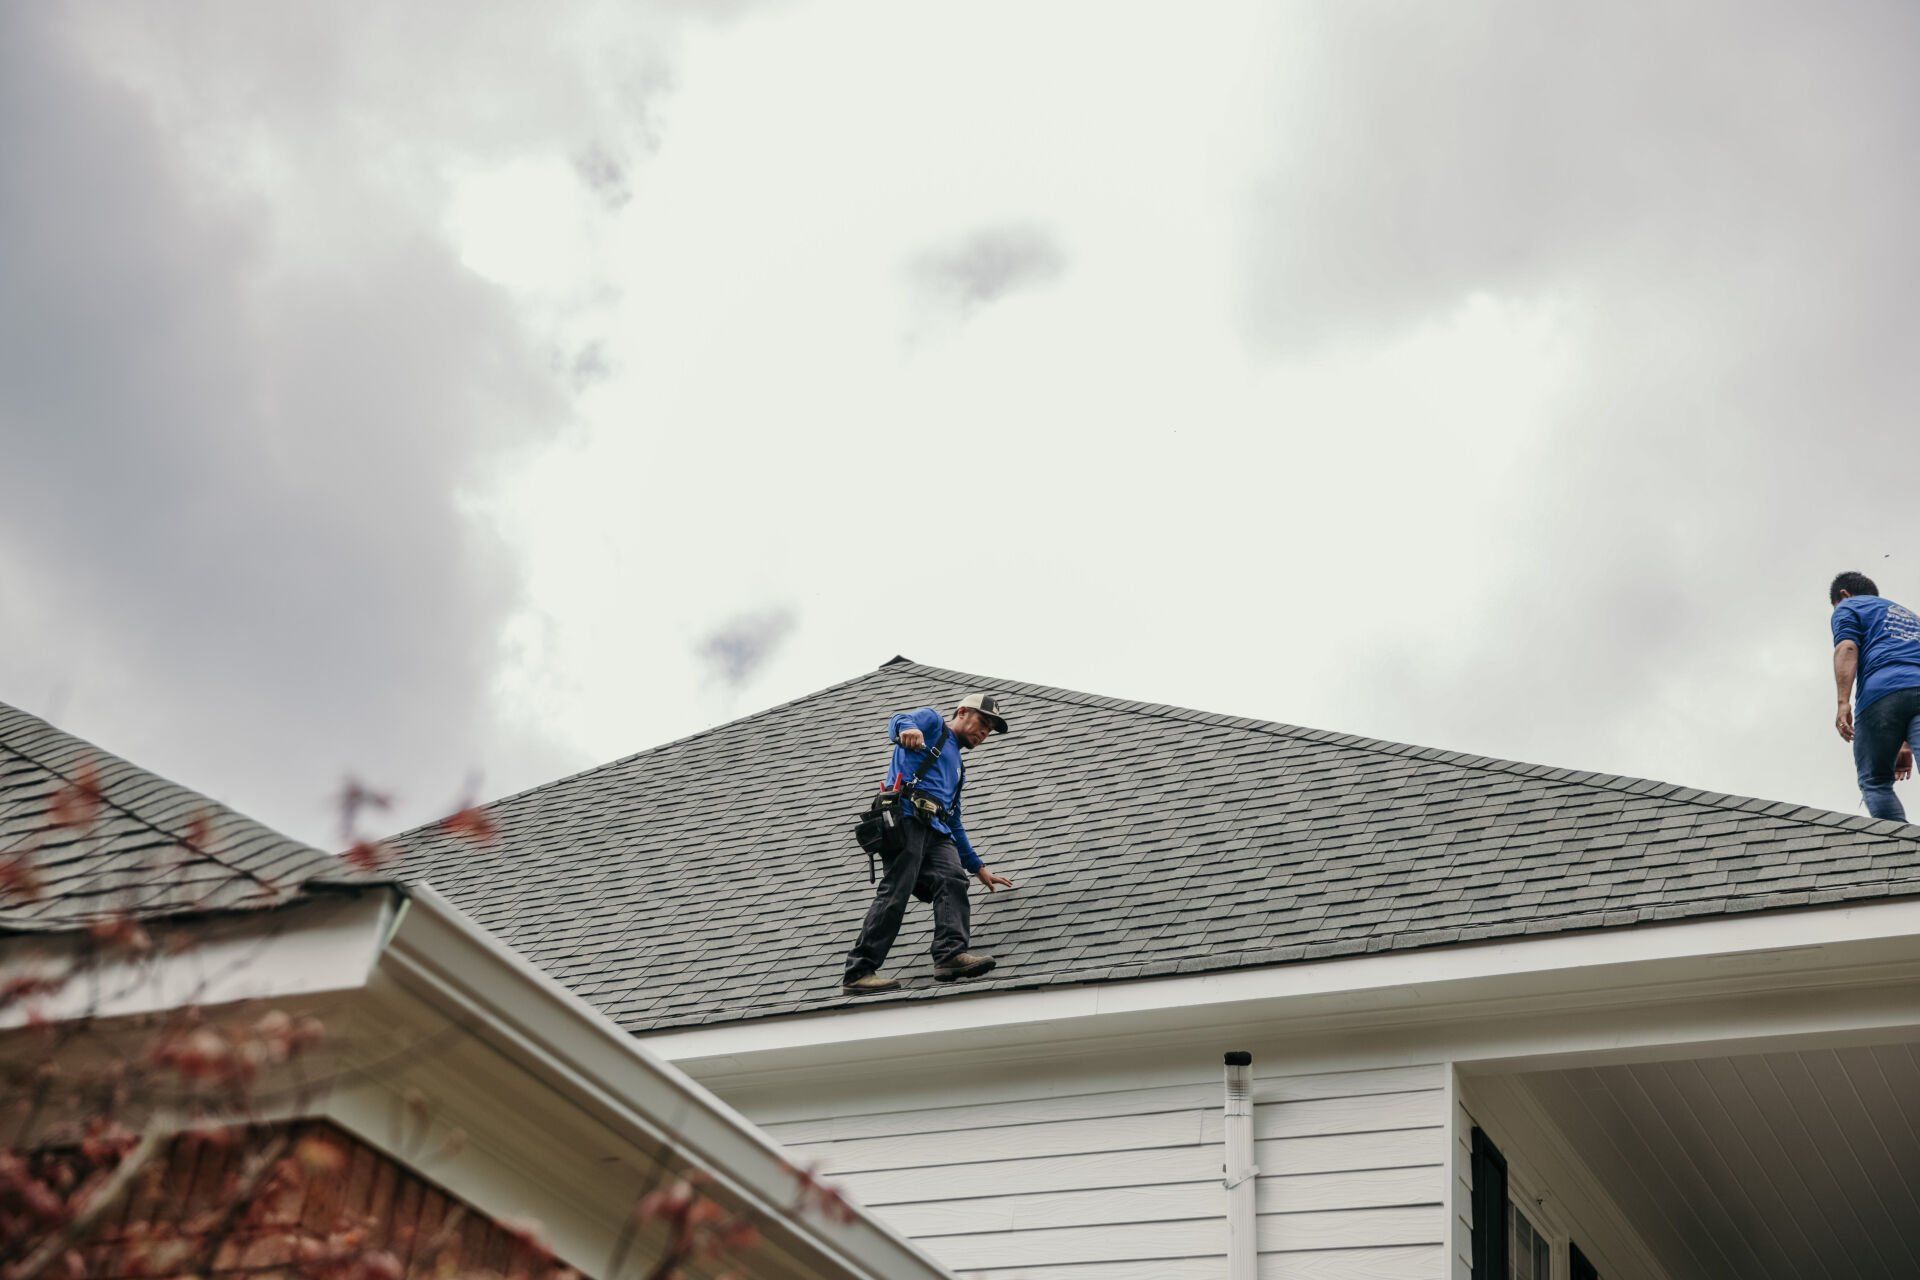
(882, 829)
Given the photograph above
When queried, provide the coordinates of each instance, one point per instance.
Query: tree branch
(110, 1192)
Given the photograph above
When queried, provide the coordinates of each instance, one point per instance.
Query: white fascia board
(442, 956)
(312, 948)
(1387, 987)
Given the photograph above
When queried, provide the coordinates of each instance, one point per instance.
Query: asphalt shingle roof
(152, 847)
(1145, 840)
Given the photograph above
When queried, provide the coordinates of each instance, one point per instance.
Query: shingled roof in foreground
(151, 847)
(714, 879)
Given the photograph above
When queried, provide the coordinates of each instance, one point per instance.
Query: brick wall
(333, 1207)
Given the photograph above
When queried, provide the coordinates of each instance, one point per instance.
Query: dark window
(1529, 1252)
(1489, 1210)
(1579, 1268)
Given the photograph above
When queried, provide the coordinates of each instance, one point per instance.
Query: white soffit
(1770, 1166)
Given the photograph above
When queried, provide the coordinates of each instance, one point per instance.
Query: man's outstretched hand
(989, 879)
(912, 739)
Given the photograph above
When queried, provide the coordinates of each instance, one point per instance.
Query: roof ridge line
(695, 736)
(1786, 809)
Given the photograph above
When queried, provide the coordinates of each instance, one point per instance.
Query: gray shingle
(136, 856)
(1146, 840)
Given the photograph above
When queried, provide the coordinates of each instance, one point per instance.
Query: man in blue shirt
(937, 858)
(1877, 643)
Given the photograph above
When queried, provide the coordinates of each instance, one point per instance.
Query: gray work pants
(928, 869)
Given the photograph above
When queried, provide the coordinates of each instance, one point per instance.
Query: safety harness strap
(933, 753)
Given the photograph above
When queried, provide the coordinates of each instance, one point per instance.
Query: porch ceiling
(1789, 1165)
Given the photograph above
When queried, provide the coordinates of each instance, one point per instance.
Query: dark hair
(1854, 584)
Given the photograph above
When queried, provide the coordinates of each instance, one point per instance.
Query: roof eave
(1650, 964)
(440, 954)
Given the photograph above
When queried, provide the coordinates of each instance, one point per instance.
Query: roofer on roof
(929, 866)
(1879, 641)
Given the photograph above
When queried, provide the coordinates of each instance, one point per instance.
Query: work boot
(968, 964)
(869, 984)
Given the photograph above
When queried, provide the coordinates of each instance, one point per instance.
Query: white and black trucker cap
(987, 705)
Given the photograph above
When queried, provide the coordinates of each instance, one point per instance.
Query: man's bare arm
(1846, 662)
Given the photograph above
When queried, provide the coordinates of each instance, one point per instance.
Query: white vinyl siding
(1460, 1144)
(1125, 1184)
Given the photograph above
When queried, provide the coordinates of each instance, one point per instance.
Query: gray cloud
(245, 387)
(591, 366)
(739, 648)
(605, 176)
(241, 419)
(987, 265)
(1718, 201)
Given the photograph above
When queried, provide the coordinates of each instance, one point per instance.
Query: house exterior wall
(1092, 1171)
(1138, 1053)
(350, 1201)
(1459, 1264)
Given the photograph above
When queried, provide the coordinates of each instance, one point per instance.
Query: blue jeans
(1878, 731)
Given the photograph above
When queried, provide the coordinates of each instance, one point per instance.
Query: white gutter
(314, 949)
(1243, 1248)
(441, 955)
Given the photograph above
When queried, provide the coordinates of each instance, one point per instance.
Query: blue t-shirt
(1889, 638)
(939, 779)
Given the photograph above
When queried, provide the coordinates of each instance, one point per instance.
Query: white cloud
(1140, 499)
(1459, 379)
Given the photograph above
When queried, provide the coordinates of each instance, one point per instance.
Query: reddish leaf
(471, 823)
(320, 1157)
(27, 986)
(17, 879)
(380, 1265)
(307, 1032)
(120, 932)
(198, 1055)
(369, 855)
(199, 831)
(78, 803)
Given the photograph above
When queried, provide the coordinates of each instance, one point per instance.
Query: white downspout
(1243, 1249)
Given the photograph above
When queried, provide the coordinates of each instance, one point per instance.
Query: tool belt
(882, 829)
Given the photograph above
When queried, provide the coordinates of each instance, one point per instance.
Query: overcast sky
(458, 395)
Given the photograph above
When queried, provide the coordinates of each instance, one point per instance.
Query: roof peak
(1282, 843)
(1438, 755)
(899, 665)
